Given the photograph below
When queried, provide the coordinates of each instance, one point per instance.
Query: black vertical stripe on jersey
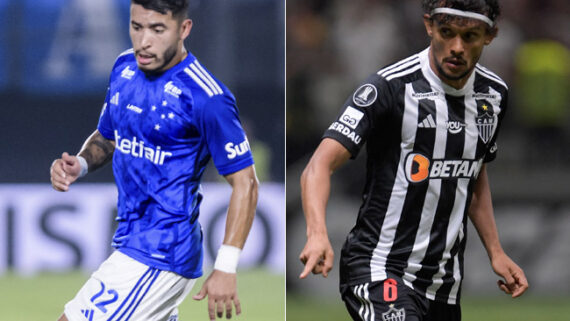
(406, 231)
(448, 280)
(453, 150)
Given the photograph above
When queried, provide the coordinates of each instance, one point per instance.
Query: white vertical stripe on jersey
(218, 89)
(205, 79)
(422, 239)
(199, 81)
(399, 191)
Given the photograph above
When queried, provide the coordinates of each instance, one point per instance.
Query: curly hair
(179, 8)
(489, 8)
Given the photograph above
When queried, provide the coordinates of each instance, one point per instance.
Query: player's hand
(318, 256)
(221, 290)
(514, 282)
(64, 171)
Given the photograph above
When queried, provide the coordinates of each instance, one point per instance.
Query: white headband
(466, 14)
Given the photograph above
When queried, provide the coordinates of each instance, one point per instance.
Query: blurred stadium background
(334, 45)
(55, 59)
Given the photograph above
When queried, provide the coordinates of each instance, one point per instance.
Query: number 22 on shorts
(390, 290)
(109, 298)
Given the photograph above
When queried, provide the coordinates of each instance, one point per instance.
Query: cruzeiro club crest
(486, 124)
(394, 314)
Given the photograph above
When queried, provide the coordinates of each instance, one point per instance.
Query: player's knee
(62, 318)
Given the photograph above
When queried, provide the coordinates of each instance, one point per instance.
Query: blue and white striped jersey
(166, 127)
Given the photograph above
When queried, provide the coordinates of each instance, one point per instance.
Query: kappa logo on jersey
(115, 99)
(418, 168)
(365, 95)
(169, 88)
(486, 125)
(394, 314)
(136, 148)
(351, 117)
(127, 73)
(455, 127)
(346, 131)
(237, 150)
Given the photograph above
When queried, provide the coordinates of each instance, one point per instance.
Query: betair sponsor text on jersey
(136, 148)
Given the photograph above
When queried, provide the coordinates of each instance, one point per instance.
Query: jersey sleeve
(105, 127)
(224, 135)
(492, 146)
(359, 113)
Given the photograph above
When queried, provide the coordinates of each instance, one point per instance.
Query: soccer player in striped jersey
(165, 116)
(430, 123)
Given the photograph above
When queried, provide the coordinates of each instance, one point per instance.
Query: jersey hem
(164, 267)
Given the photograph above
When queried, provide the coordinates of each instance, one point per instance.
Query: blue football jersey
(166, 128)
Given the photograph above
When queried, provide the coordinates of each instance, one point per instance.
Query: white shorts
(124, 289)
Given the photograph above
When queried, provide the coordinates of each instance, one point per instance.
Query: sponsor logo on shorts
(365, 95)
(351, 117)
(235, 150)
(346, 131)
(419, 168)
(394, 314)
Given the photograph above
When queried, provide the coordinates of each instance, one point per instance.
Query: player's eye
(135, 27)
(158, 30)
(470, 36)
(446, 32)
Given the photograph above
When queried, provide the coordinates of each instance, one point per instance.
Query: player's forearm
(97, 150)
(315, 192)
(481, 214)
(241, 211)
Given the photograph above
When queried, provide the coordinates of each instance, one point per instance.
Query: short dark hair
(179, 8)
(489, 8)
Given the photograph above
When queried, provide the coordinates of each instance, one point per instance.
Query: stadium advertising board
(44, 230)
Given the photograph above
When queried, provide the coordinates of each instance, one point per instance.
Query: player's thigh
(124, 289)
(438, 311)
(387, 300)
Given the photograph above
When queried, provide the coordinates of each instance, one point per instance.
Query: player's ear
(428, 23)
(185, 28)
(490, 34)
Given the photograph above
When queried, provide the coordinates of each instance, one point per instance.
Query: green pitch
(502, 308)
(41, 298)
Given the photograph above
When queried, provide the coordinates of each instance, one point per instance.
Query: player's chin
(149, 68)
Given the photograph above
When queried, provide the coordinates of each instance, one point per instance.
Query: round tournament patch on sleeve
(365, 95)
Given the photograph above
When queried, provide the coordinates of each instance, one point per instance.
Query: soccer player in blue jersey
(164, 117)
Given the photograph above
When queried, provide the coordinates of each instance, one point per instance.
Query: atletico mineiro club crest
(394, 314)
(486, 124)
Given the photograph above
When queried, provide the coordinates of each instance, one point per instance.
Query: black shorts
(391, 300)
